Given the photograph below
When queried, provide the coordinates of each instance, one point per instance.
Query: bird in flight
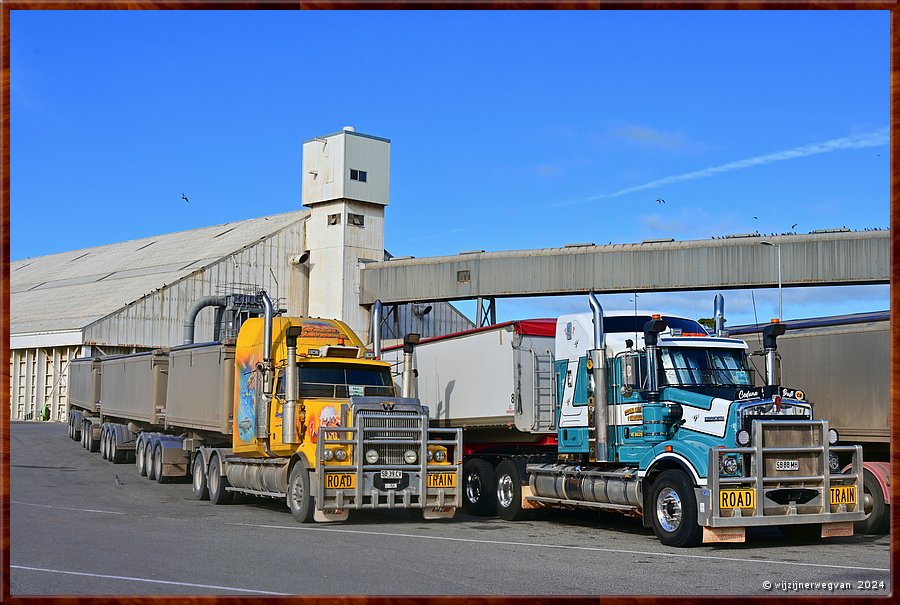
(794, 226)
(184, 197)
(659, 200)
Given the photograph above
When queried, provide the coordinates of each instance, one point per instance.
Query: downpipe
(598, 369)
(191, 318)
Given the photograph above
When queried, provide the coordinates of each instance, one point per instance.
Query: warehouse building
(135, 295)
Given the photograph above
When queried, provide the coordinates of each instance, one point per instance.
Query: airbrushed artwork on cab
(245, 418)
(327, 417)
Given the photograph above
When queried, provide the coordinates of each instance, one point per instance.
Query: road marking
(130, 579)
(562, 547)
(80, 510)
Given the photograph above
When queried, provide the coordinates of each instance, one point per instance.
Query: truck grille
(393, 422)
(809, 463)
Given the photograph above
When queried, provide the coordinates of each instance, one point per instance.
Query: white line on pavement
(81, 510)
(130, 579)
(563, 547)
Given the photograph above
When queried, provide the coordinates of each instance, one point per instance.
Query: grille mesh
(390, 453)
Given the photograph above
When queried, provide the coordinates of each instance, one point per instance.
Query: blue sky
(509, 130)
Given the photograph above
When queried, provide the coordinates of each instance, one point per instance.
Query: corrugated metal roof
(71, 290)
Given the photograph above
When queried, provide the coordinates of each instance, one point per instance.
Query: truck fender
(882, 473)
(208, 456)
(300, 458)
(664, 461)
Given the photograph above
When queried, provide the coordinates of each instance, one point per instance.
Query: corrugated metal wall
(157, 319)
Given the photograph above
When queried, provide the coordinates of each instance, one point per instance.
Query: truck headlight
(371, 456)
(429, 455)
(340, 455)
(440, 456)
(743, 438)
(728, 466)
(328, 455)
(410, 456)
(832, 437)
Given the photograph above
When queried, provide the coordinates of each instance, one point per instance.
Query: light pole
(780, 299)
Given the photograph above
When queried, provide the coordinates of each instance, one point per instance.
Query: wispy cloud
(651, 138)
(875, 138)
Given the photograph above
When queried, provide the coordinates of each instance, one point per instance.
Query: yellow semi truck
(283, 407)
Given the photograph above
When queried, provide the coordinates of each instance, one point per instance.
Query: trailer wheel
(218, 494)
(158, 464)
(674, 510)
(807, 532)
(83, 435)
(509, 492)
(480, 490)
(148, 460)
(299, 496)
(103, 443)
(115, 454)
(93, 445)
(878, 519)
(198, 483)
(139, 458)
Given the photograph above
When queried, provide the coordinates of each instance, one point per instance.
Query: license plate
(441, 480)
(843, 494)
(391, 474)
(340, 481)
(787, 465)
(736, 498)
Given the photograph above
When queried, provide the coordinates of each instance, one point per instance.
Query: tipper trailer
(565, 413)
(283, 407)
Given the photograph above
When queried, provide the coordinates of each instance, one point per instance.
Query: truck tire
(509, 492)
(158, 465)
(479, 493)
(299, 496)
(116, 455)
(673, 508)
(148, 460)
(139, 459)
(807, 532)
(92, 445)
(83, 436)
(104, 444)
(218, 494)
(198, 479)
(878, 520)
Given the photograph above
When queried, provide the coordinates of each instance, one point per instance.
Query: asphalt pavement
(83, 526)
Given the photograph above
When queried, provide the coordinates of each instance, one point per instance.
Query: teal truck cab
(657, 418)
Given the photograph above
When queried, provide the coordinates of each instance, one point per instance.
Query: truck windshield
(342, 380)
(690, 366)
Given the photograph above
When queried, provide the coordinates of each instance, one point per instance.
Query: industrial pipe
(376, 328)
(409, 343)
(770, 334)
(597, 357)
(291, 394)
(719, 315)
(191, 318)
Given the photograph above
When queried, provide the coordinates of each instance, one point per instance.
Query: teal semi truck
(640, 413)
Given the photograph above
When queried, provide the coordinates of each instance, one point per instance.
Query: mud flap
(724, 534)
(330, 515)
(833, 530)
(438, 512)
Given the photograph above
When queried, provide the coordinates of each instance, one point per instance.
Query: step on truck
(643, 414)
(282, 407)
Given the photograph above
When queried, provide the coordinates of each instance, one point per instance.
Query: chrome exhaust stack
(597, 368)
(376, 328)
(291, 392)
(770, 334)
(265, 369)
(719, 315)
(409, 344)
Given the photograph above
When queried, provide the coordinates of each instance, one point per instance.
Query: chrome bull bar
(814, 476)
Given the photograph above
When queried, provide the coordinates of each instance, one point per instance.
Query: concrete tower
(346, 185)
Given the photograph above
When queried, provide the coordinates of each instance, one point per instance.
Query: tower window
(357, 220)
(358, 175)
(334, 219)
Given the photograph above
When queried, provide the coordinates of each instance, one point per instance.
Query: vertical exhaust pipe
(265, 369)
(719, 315)
(770, 334)
(597, 367)
(291, 392)
(376, 328)
(654, 411)
(409, 344)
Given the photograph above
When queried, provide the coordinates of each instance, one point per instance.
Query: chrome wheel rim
(668, 509)
(157, 463)
(473, 487)
(198, 476)
(296, 492)
(505, 491)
